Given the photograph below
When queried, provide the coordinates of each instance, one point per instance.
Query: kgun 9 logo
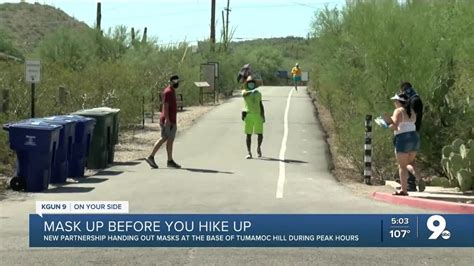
(438, 229)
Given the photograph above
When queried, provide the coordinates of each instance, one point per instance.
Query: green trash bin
(115, 130)
(102, 137)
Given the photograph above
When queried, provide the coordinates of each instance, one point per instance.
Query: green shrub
(363, 52)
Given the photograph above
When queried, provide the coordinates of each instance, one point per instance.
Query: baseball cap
(244, 72)
(174, 78)
(398, 97)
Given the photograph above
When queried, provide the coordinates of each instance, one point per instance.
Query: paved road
(218, 179)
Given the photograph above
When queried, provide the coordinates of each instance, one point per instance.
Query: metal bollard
(368, 150)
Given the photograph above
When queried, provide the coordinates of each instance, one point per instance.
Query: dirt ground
(136, 144)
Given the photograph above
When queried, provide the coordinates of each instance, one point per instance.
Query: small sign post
(202, 85)
(33, 76)
(304, 76)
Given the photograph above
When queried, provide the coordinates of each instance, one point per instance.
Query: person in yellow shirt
(296, 73)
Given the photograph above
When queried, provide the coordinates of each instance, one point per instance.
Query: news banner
(110, 224)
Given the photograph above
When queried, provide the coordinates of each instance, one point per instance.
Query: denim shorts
(407, 142)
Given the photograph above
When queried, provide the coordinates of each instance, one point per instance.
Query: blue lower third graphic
(251, 230)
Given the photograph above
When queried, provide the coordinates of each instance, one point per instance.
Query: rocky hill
(24, 25)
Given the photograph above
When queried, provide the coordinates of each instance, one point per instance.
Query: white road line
(282, 175)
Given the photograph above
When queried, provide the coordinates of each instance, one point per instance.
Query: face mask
(175, 85)
(250, 85)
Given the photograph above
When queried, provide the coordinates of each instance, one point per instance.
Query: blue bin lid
(36, 124)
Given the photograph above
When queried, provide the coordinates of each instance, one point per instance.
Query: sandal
(400, 193)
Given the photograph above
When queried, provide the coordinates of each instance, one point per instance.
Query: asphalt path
(292, 177)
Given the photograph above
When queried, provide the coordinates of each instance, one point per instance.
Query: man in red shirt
(167, 124)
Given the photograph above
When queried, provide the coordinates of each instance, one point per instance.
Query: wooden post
(201, 96)
(152, 107)
(213, 25)
(224, 34)
(33, 100)
(215, 93)
(227, 9)
(143, 112)
(4, 100)
(62, 100)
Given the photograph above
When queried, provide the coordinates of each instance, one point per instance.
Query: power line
(317, 5)
(311, 4)
(160, 15)
(262, 6)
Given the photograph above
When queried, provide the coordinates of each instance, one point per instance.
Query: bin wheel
(17, 183)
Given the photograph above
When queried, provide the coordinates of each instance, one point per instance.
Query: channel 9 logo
(437, 225)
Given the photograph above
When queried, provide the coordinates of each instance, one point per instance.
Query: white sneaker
(249, 156)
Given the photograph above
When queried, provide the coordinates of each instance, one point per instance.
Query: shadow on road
(132, 163)
(108, 172)
(88, 180)
(278, 160)
(207, 171)
(63, 189)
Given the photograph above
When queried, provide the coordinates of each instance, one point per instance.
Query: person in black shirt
(414, 101)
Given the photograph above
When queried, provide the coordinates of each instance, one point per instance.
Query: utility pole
(99, 16)
(227, 9)
(225, 28)
(213, 24)
(224, 33)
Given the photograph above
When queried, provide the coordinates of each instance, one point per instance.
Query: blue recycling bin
(59, 173)
(35, 143)
(81, 145)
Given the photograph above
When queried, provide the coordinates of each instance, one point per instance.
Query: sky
(188, 20)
